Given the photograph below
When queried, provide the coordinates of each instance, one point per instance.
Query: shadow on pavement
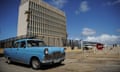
(44, 67)
(21, 65)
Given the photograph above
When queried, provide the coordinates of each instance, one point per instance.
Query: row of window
(52, 41)
(38, 8)
(37, 15)
(46, 31)
(48, 22)
(50, 26)
(42, 22)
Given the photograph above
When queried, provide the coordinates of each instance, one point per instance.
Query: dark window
(32, 43)
(23, 45)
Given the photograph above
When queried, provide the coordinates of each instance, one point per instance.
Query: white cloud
(58, 3)
(77, 38)
(88, 32)
(112, 3)
(84, 7)
(104, 38)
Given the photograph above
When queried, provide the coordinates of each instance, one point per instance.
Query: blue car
(34, 52)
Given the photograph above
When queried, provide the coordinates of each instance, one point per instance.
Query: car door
(13, 55)
(21, 52)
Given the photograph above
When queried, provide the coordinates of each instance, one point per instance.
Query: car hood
(50, 49)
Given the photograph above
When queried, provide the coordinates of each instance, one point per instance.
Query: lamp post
(81, 44)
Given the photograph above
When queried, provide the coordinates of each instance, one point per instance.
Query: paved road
(75, 62)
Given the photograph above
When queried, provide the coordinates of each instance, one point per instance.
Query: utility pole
(81, 44)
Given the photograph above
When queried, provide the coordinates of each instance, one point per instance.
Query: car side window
(29, 44)
(16, 45)
(22, 45)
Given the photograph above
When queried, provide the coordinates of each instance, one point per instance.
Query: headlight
(46, 51)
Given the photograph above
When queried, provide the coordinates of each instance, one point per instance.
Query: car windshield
(34, 43)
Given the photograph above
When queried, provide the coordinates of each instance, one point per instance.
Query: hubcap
(35, 64)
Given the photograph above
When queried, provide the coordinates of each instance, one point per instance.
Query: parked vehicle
(34, 52)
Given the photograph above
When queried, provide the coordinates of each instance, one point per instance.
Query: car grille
(54, 55)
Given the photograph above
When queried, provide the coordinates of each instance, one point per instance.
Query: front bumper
(55, 57)
(52, 61)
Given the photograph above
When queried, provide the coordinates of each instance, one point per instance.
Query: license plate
(56, 61)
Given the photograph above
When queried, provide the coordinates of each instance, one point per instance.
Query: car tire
(8, 60)
(35, 64)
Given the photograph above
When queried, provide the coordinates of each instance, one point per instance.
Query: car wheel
(8, 60)
(35, 63)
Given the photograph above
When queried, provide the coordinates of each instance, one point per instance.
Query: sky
(90, 20)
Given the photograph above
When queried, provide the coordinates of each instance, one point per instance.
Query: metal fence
(8, 43)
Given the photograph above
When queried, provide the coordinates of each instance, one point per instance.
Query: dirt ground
(87, 62)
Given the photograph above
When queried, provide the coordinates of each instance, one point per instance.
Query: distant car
(87, 47)
(34, 52)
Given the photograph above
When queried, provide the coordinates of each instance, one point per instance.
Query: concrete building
(37, 17)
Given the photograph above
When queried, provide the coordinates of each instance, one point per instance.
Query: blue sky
(91, 20)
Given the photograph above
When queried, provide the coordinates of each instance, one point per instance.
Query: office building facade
(38, 18)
